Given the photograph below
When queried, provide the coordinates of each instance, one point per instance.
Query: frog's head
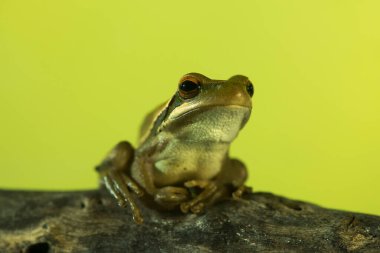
(203, 107)
(197, 92)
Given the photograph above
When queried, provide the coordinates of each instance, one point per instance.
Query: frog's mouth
(186, 113)
(210, 123)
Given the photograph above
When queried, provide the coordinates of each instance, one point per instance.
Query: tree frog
(182, 161)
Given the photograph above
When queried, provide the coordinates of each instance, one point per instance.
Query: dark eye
(189, 88)
(250, 89)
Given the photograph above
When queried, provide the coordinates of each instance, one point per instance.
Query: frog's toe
(114, 190)
(198, 202)
(171, 196)
(185, 207)
(118, 187)
(132, 185)
(194, 208)
(237, 194)
(196, 183)
(198, 208)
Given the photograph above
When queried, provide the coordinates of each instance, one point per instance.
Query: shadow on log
(90, 221)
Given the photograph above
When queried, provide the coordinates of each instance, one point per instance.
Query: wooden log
(90, 221)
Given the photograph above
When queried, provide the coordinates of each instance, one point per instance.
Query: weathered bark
(90, 221)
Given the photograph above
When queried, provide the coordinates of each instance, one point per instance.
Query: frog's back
(148, 123)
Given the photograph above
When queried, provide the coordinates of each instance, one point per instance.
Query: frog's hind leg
(114, 173)
(234, 175)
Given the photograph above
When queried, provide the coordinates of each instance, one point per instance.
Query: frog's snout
(239, 94)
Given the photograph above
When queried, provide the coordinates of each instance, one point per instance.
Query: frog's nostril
(250, 89)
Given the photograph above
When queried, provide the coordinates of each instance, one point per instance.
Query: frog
(182, 158)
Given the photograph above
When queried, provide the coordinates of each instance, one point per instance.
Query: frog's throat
(208, 123)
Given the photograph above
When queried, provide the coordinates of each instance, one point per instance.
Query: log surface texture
(90, 221)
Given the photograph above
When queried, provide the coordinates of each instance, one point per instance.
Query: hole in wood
(292, 205)
(295, 207)
(41, 247)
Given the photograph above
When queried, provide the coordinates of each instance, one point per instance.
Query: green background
(76, 77)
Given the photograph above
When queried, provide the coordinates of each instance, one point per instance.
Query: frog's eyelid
(190, 78)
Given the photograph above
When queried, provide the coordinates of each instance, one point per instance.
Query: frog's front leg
(229, 182)
(170, 197)
(167, 197)
(197, 204)
(114, 173)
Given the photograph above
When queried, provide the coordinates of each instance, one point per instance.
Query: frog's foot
(118, 184)
(197, 183)
(171, 196)
(113, 172)
(237, 194)
(197, 204)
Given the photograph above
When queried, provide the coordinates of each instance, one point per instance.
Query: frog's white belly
(197, 148)
(182, 161)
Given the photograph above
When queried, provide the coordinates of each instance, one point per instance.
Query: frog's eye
(250, 89)
(189, 87)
